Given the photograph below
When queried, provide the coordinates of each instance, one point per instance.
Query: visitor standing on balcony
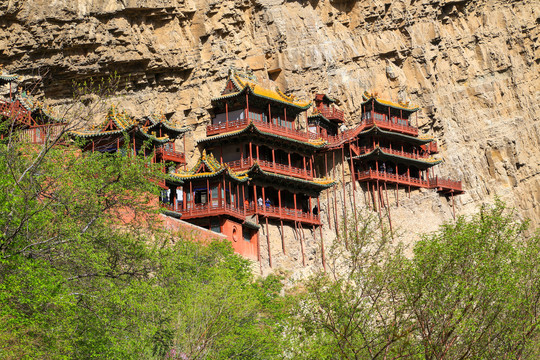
(268, 203)
(260, 201)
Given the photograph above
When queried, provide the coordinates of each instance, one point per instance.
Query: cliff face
(472, 67)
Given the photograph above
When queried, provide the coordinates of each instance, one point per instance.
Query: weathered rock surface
(472, 66)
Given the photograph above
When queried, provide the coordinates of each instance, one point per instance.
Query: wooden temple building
(152, 136)
(27, 117)
(257, 167)
(264, 160)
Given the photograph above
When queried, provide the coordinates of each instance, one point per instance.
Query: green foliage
(469, 292)
(87, 273)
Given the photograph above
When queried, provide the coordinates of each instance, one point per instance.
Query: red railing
(246, 163)
(368, 149)
(171, 155)
(15, 112)
(389, 177)
(437, 183)
(209, 209)
(39, 134)
(262, 125)
(331, 113)
(442, 184)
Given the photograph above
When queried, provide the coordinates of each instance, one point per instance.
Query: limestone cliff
(472, 67)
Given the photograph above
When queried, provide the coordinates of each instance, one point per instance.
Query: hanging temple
(256, 166)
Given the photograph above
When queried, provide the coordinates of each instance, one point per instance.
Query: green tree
(470, 291)
(473, 288)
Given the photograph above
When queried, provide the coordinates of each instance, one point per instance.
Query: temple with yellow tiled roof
(152, 135)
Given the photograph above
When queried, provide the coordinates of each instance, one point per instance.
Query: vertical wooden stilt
(301, 229)
(327, 191)
(322, 249)
(282, 238)
(344, 193)
(397, 195)
(388, 209)
(268, 243)
(335, 194)
(353, 189)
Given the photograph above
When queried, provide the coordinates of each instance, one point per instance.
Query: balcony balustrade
(171, 155)
(15, 112)
(244, 164)
(331, 113)
(368, 149)
(437, 183)
(262, 125)
(215, 209)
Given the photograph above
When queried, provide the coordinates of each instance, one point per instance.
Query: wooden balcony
(367, 149)
(40, 134)
(262, 125)
(171, 155)
(331, 113)
(244, 164)
(15, 112)
(391, 124)
(439, 184)
(216, 209)
(446, 185)
(385, 176)
(367, 122)
(285, 214)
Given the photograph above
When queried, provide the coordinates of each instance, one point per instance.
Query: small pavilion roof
(243, 81)
(314, 144)
(156, 120)
(7, 78)
(318, 183)
(400, 106)
(38, 109)
(116, 123)
(208, 167)
(390, 134)
(381, 154)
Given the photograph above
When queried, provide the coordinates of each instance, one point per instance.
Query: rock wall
(472, 66)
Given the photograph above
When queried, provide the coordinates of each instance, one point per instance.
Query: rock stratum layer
(472, 67)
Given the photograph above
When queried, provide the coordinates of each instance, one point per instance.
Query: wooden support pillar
(273, 158)
(255, 198)
(304, 159)
(257, 148)
(247, 107)
(322, 248)
(244, 199)
(184, 199)
(344, 194)
(282, 238)
(264, 201)
(279, 201)
(295, 214)
(289, 155)
(327, 191)
(285, 114)
(227, 115)
(250, 154)
(353, 188)
(310, 212)
(208, 195)
(191, 196)
(388, 209)
(311, 162)
(335, 194)
(269, 114)
(268, 243)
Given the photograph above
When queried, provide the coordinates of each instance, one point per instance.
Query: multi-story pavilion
(259, 166)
